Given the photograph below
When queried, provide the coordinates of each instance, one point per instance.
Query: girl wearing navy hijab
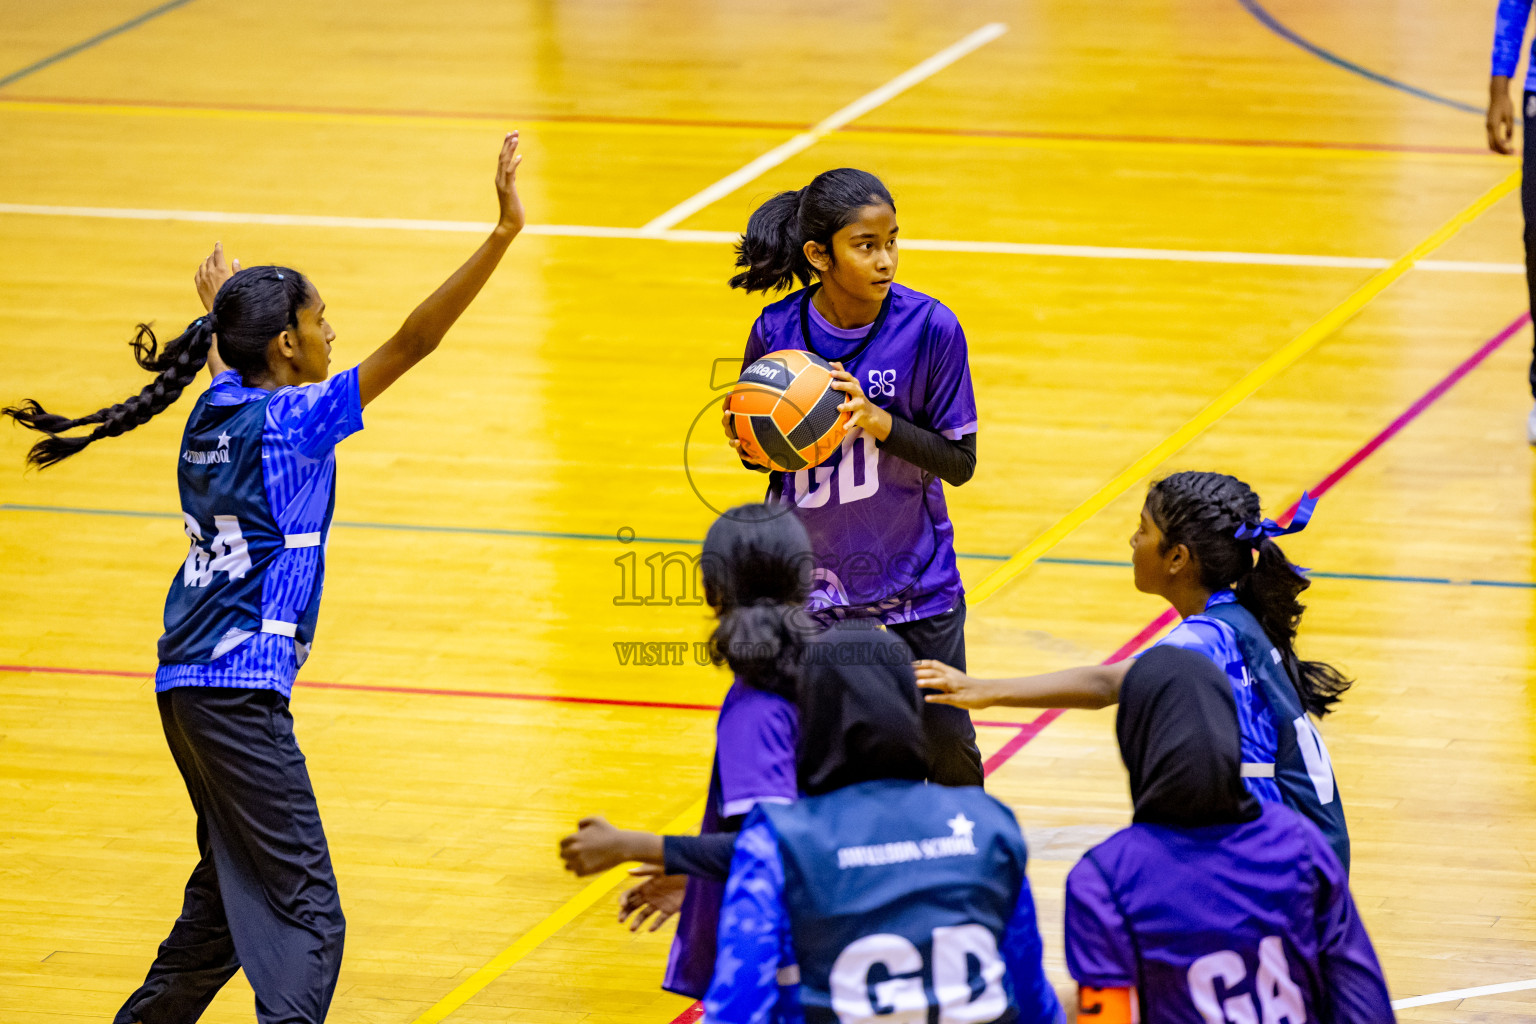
(1212, 906)
(877, 896)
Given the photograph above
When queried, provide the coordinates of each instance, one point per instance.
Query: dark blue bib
(215, 601)
(1303, 770)
(899, 894)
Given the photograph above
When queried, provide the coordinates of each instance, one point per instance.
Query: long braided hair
(253, 307)
(1203, 511)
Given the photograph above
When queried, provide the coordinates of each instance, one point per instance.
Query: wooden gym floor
(1149, 212)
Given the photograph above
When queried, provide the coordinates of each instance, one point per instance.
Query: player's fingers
(942, 698)
(591, 819)
(236, 266)
(661, 919)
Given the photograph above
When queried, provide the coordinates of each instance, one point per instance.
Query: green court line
(495, 531)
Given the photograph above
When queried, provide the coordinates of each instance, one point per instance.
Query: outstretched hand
(212, 274)
(951, 686)
(512, 218)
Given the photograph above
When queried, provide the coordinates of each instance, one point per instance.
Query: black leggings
(951, 737)
(263, 896)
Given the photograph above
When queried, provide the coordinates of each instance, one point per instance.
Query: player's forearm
(1498, 86)
(645, 847)
(1089, 686)
(954, 462)
(423, 330)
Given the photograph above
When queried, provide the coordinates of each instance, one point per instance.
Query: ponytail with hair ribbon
(1258, 532)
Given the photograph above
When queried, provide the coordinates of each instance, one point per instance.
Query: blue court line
(492, 531)
(1270, 22)
(100, 37)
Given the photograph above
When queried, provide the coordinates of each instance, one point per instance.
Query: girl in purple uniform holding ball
(874, 510)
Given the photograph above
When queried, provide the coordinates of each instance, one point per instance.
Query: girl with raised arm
(256, 473)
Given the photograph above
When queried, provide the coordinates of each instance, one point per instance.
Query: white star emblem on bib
(223, 440)
(961, 825)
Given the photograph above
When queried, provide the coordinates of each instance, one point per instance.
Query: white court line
(1463, 993)
(805, 140)
(1092, 252)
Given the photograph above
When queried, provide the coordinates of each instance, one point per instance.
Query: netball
(784, 410)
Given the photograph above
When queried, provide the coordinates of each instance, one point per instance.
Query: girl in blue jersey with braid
(257, 479)
(1202, 544)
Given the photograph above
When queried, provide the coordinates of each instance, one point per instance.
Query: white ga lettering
(1280, 998)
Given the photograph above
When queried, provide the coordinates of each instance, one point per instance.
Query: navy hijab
(1180, 740)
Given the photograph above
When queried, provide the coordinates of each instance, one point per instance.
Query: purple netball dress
(754, 764)
(1244, 922)
(879, 525)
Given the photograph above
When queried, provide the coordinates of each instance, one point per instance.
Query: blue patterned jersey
(241, 610)
(1218, 641)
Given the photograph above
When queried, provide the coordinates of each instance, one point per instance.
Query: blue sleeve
(1352, 977)
(314, 418)
(949, 404)
(1508, 34)
(1024, 956)
(1197, 634)
(754, 943)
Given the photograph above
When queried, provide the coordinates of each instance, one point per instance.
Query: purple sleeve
(757, 347)
(949, 404)
(1352, 979)
(754, 952)
(1099, 953)
(1508, 34)
(314, 418)
(755, 747)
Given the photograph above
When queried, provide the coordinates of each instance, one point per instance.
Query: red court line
(791, 126)
(424, 691)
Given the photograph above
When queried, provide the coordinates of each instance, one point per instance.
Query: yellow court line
(850, 133)
(1256, 378)
(541, 932)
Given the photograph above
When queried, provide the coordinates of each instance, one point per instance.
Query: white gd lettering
(1280, 999)
(882, 382)
(900, 999)
(227, 552)
(1315, 756)
(854, 482)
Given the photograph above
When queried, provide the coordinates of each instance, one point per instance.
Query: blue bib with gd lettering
(217, 599)
(899, 894)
